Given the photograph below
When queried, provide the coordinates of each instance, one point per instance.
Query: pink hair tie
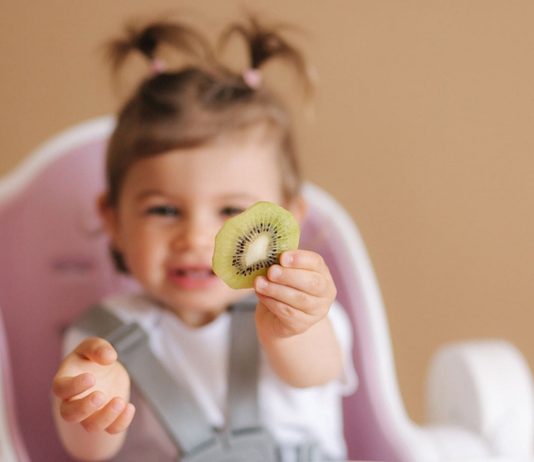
(252, 78)
(158, 66)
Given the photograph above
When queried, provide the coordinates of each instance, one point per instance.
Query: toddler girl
(192, 147)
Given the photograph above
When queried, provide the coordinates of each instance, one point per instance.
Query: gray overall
(243, 438)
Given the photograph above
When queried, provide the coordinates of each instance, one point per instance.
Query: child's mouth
(192, 278)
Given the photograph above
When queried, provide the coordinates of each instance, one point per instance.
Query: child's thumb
(97, 350)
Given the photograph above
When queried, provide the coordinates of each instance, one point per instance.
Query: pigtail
(146, 40)
(264, 44)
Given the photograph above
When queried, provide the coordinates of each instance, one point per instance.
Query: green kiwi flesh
(249, 243)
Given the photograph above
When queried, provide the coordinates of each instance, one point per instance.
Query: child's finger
(303, 259)
(67, 387)
(296, 299)
(291, 320)
(311, 282)
(122, 422)
(104, 417)
(77, 410)
(97, 350)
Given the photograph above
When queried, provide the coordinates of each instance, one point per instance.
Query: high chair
(54, 263)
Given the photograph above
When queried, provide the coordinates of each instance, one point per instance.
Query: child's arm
(90, 404)
(291, 320)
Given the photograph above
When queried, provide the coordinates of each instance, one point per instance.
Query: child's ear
(298, 207)
(108, 215)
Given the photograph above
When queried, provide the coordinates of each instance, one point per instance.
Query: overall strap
(171, 400)
(243, 369)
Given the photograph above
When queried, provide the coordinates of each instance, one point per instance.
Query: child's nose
(195, 234)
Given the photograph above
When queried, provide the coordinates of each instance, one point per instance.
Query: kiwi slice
(250, 242)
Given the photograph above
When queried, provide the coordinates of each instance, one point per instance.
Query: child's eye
(164, 210)
(231, 211)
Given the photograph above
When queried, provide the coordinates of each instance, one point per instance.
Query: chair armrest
(485, 387)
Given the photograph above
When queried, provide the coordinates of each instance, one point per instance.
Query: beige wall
(424, 131)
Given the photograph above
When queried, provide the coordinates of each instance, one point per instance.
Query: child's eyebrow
(233, 196)
(147, 193)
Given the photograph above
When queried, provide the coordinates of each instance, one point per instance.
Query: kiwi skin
(260, 235)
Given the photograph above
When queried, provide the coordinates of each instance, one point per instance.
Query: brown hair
(188, 107)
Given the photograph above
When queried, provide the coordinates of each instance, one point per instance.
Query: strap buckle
(254, 444)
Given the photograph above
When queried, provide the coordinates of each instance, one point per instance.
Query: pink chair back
(12, 447)
(54, 263)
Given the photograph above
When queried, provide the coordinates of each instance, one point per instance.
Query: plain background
(423, 130)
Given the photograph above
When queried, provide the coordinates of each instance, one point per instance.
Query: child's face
(172, 205)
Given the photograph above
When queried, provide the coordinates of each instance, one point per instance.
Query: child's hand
(93, 388)
(295, 295)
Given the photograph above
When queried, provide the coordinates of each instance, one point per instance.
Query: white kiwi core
(257, 250)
